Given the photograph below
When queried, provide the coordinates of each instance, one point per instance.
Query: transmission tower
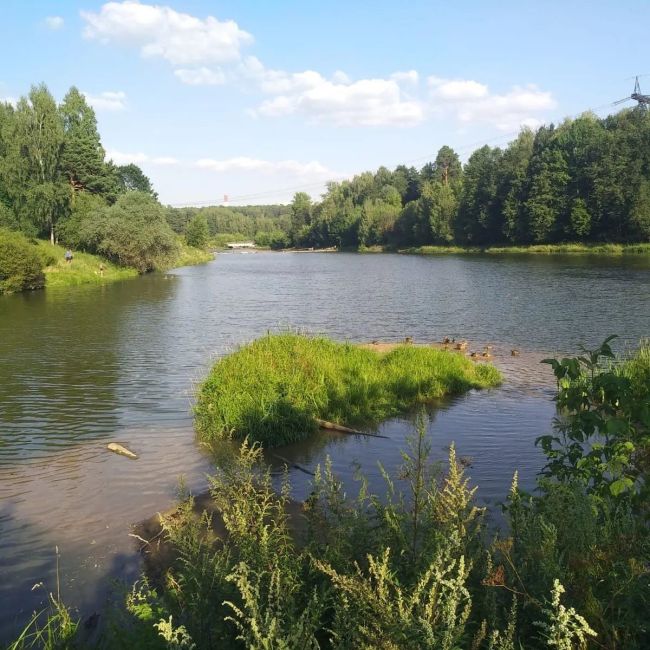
(643, 101)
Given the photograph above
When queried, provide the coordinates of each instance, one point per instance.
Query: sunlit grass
(84, 268)
(272, 389)
(545, 249)
(189, 256)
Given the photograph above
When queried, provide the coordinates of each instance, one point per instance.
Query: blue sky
(258, 99)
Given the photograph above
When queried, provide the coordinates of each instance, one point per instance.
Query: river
(81, 367)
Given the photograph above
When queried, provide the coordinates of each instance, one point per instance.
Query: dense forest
(586, 180)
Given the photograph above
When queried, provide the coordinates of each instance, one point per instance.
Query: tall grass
(190, 255)
(540, 249)
(84, 268)
(273, 389)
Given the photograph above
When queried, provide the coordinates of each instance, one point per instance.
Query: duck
(408, 339)
(474, 355)
(461, 345)
(486, 352)
(446, 340)
(514, 353)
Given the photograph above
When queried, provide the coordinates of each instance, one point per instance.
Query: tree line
(585, 180)
(56, 183)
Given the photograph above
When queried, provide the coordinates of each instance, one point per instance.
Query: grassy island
(274, 388)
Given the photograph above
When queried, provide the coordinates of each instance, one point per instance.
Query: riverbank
(538, 249)
(86, 268)
(275, 389)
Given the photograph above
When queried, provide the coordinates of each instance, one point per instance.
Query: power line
(461, 150)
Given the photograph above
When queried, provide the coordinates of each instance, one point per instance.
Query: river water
(85, 366)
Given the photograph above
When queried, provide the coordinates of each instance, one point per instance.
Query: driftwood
(123, 451)
(324, 424)
(290, 463)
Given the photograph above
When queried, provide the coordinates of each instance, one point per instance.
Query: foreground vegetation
(272, 390)
(418, 566)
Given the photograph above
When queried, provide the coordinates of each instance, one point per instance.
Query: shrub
(21, 265)
(196, 232)
(133, 232)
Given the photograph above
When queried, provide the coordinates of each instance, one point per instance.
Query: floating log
(290, 463)
(119, 449)
(324, 424)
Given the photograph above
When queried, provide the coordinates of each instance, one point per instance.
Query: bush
(133, 232)
(273, 389)
(196, 233)
(21, 265)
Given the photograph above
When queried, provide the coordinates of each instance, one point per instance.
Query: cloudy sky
(259, 99)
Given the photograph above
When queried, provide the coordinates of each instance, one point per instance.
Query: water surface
(85, 366)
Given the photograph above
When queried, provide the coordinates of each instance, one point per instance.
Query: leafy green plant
(602, 425)
(21, 265)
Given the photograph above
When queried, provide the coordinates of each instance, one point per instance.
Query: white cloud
(338, 101)
(160, 32)
(200, 76)
(164, 160)
(457, 89)
(409, 77)
(245, 164)
(471, 102)
(107, 101)
(125, 158)
(208, 52)
(54, 22)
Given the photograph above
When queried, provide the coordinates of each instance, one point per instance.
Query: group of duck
(464, 345)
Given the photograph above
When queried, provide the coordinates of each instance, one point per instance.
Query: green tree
(130, 178)
(32, 163)
(439, 205)
(477, 213)
(640, 213)
(580, 219)
(300, 213)
(513, 173)
(547, 199)
(132, 232)
(196, 233)
(82, 158)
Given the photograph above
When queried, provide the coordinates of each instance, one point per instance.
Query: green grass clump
(539, 249)
(189, 255)
(84, 268)
(273, 389)
(637, 369)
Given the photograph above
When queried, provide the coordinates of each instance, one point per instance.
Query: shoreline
(84, 268)
(533, 249)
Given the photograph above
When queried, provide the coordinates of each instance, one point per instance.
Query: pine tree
(82, 159)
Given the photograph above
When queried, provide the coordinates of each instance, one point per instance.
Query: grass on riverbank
(272, 389)
(540, 249)
(190, 256)
(84, 268)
